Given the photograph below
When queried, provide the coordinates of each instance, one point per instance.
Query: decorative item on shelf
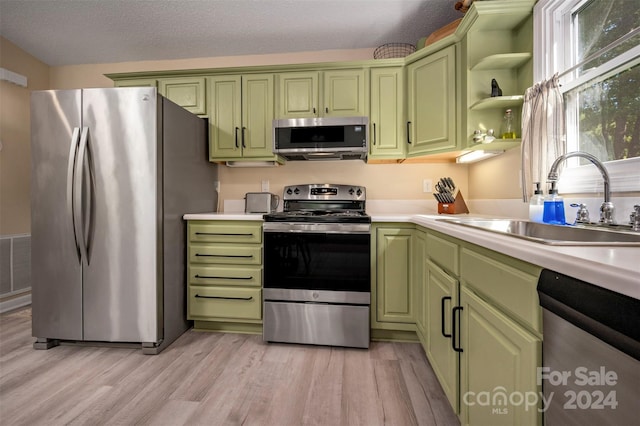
(495, 89)
(508, 129)
(450, 200)
(440, 33)
(393, 50)
(463, 5)
(480, 137)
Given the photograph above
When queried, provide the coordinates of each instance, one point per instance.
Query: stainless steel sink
(581, 235)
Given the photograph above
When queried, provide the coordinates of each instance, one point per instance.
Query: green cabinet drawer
(444, 253)
(509, 287)
(225, 232)
(224, 302)
(250, 254)
(227, 275)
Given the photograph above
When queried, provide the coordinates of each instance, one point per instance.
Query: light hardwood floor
(215, 379)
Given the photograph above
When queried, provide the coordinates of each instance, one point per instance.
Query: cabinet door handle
(455, 338)
(314, 110)
(374, 133)
(236, 134)
(224, 298)
(408, 132)
(243, 144)
(442, 302)
(226, 255)
(223, 278)
(326, 109)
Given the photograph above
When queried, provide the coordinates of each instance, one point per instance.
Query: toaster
(260, 202)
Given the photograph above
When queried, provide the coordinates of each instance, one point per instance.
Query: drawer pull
(224, 234)
(224, 278)
(244, 256)
(224, 298)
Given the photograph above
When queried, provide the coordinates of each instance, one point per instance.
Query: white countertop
(614, 268)
(222, 216)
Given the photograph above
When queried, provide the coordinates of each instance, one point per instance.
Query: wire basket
(393, 50)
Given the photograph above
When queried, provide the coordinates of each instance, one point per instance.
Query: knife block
(457, 207)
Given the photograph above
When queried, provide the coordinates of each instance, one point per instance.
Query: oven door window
(317, 261)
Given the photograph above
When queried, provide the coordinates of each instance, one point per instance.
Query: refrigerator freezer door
(56, 269)
(121, 205)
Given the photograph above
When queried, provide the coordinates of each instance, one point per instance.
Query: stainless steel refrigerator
(113, 171)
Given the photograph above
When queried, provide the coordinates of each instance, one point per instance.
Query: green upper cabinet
(298, 95)
(188, 92)
(343, 94)
(241, 111)
(139, 82)
(386, 125)
(433, 102)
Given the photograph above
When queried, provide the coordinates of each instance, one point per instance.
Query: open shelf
(498, 102)
(502, 61)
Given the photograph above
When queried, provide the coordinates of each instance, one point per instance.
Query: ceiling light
(473, 156)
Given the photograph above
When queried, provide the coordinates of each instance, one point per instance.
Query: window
(594, 45)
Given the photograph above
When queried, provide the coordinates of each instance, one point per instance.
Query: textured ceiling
(68, 32)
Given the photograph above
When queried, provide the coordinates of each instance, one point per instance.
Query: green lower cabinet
(394, 293)
(224, 275)
(419, 283)
(440, 298)
(497, 367)
(225, 303)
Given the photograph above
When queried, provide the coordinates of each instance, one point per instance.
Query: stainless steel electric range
(317, 273)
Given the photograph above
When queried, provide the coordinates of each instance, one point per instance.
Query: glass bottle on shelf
(508, 129)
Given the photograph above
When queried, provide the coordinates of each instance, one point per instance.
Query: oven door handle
(315, 228)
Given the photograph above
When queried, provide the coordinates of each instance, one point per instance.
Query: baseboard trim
(14, 303)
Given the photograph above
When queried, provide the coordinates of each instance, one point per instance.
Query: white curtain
(543, 133)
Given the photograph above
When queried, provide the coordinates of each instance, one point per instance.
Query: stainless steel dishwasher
(591, 353)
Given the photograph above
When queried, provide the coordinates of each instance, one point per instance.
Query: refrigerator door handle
(79, 204)
(73, 152)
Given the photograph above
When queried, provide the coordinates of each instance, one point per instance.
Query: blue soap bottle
(553, 212)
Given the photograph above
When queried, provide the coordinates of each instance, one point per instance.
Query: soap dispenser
(536, 205)
(553, 211)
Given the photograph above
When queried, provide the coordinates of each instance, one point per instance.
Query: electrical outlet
(426, 185)
(265, 186)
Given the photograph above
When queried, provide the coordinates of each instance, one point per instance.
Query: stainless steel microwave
(323, 138)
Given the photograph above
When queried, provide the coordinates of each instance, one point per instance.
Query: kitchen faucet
(606, 209)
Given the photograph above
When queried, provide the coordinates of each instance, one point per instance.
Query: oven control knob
(296, 191)
(289, 191)
(359, 192)
(315, 295)
(351, 191)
